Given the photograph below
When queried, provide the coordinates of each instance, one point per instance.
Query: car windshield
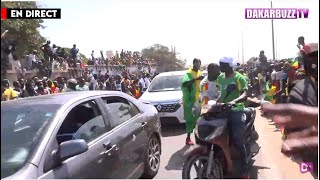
(21, 128)
(166, 83)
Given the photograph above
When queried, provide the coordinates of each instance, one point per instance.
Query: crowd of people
(131, 84)
(51, 57)
(120, 61)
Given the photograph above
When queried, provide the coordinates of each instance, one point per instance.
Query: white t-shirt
(213, 91)
(118, 87)
(94, 83)
(147, 82)
(142, 83)
(279, 75)
(273, 75)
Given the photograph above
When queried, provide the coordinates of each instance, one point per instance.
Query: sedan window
(84, 121)
(22, 127)
(120, 109)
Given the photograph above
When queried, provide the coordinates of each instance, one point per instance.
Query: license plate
(161, 114)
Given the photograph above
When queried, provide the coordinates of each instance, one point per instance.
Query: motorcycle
(214, 158)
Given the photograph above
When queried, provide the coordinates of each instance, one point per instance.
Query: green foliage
(165, 58)
(24, 31)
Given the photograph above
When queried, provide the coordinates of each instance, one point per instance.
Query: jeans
(236, 122)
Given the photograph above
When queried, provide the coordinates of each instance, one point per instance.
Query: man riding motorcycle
(237, 117)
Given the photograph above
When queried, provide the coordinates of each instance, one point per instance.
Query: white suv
(165, 94)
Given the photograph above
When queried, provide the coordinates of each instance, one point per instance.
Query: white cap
(228, 60)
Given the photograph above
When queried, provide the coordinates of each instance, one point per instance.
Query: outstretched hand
(296, 116)
(292, 115)
(300, 141)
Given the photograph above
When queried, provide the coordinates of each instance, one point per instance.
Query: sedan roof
(60, 98)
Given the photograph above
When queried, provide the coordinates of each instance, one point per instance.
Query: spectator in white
(273, 75)
(147, 80)
(82, 85)
(96, 64)
(30, 60)
(19, 69)
(94, 82)
(279, 75)
(117, 84)
(72, 83)
(143, 84)
(256, 63)
(54, 49)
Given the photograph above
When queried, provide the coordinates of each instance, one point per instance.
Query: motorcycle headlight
(217, 132)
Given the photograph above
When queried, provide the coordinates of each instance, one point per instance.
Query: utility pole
(242, 47)
(273, 49)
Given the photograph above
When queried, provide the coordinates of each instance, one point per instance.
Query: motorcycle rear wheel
(201, 168)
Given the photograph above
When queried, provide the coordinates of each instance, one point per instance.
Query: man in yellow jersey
(190, 90)
(7, 93)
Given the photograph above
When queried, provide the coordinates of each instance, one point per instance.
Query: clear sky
(207, 29)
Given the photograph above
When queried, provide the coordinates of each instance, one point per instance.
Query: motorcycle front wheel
(196, 167)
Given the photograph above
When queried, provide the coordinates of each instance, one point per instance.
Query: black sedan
(77, 135)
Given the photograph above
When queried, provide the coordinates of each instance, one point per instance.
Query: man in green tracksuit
(190, 90)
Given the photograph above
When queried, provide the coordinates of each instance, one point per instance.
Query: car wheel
(152, 159)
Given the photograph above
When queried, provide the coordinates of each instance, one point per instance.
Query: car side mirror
(144, 89)
(65, 151)
(71, 148)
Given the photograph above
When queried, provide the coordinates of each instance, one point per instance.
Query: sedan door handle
(110, 149)
(107, 144)
(144, 124)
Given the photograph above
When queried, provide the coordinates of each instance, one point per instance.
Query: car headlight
(180, 102)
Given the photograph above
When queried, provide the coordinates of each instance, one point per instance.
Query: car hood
(164, 96)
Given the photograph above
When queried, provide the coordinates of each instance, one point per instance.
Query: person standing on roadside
(190, 90)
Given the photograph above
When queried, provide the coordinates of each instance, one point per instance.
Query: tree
(166, 59)
(24, 31)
